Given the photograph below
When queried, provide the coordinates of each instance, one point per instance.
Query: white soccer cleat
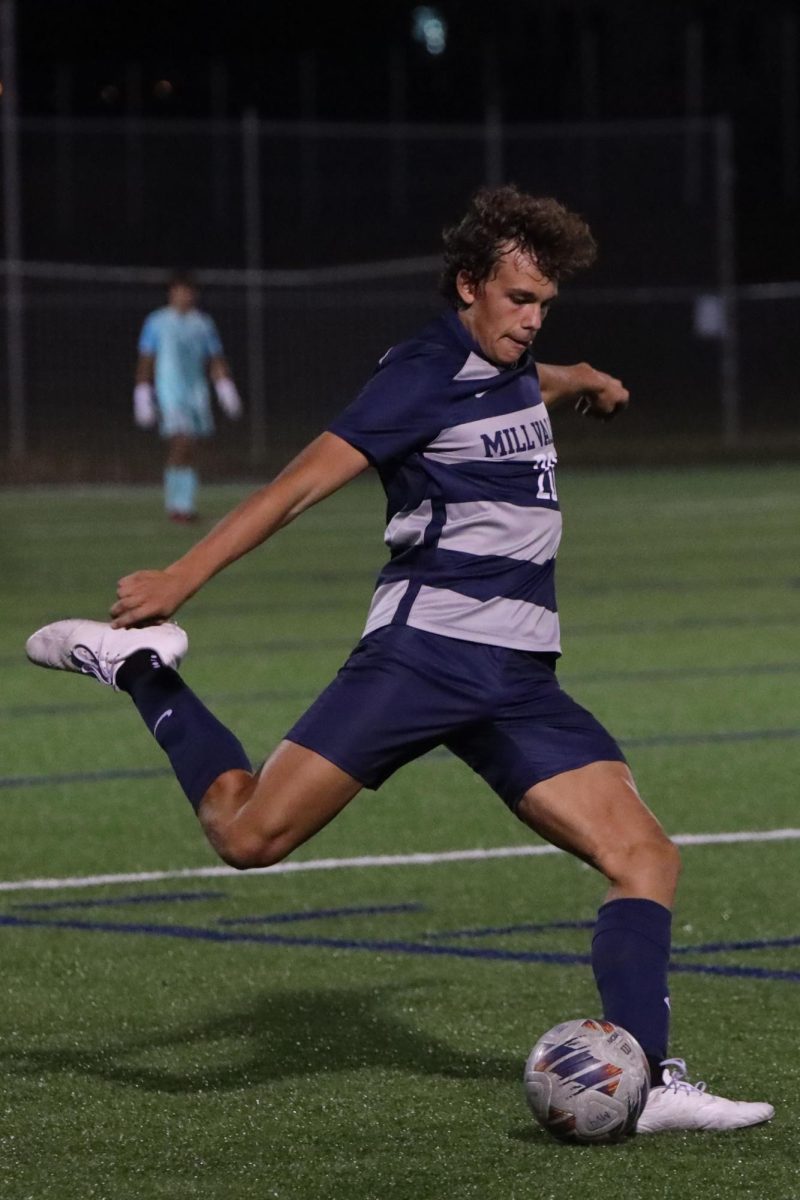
(94, 648)
(678, 1104)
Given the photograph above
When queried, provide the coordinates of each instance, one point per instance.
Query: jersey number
(546, 489)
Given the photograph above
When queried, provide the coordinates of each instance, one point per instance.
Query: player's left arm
(592, 392)
(218, 368)
(227, 393)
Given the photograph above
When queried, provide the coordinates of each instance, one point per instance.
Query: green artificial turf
(359, 1032)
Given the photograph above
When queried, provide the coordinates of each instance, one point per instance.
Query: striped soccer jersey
(465, 452)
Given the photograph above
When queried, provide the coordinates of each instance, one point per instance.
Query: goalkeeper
(179, 351)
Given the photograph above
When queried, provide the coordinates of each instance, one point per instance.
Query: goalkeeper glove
(145, 412)
(229, 399)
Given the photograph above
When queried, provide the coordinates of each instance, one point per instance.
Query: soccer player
(462, 635)
(179, 349)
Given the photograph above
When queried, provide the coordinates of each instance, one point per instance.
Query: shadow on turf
(534, 1135)
(284, 1034)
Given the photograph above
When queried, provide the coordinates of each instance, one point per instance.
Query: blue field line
(361, 910)
(770, 973)
(70, 708)
(361, 580)
(199, 933)
(707, 739)
(505, 930)
(275, 695)
(701, 948)
(378, 946)
(633, 743)
(679, 624)
(13, 781)
(109, 902)
(658, 674)
(724, 947)
(589, 629)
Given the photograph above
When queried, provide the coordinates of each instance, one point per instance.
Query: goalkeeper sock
(198, 746)
(630, 960)
(172, 489)
(188, 489)
(180, 489)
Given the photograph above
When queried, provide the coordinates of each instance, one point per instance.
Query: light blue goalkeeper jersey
(182, 344)
(465, 453)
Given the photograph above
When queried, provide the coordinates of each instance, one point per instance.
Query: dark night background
(548, 60)
(324, 151)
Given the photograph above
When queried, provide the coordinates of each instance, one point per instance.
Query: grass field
(358, 1032)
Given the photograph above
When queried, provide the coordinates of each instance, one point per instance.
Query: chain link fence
(316, 248)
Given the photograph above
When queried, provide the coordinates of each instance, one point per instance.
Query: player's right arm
(326, 465)
(145, 410)
(145, 368)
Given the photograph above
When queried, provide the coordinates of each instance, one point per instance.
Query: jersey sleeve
(148, 338)
(394, 414)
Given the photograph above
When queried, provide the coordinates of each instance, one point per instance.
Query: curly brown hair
(559, 240)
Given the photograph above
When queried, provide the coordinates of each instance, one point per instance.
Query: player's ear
(465, 286)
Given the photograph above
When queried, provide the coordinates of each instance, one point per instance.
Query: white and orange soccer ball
(587, 1081)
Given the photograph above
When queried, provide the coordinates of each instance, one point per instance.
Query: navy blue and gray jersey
(465, 452)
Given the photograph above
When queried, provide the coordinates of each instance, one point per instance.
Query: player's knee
(242, 839)
(249, 858)
(246, 850)
(632, 862)
(245, 844)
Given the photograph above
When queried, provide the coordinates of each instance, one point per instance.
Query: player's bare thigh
(256, 820)
(597, 814)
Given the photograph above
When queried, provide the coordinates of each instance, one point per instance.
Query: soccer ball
(587, 1081)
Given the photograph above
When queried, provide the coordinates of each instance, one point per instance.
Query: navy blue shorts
(403, 692)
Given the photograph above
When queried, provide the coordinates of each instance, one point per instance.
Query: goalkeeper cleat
(94, 648)
(679, 1105)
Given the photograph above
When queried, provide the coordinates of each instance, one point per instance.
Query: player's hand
(146, 598)
(145, 410)
(229, 399)
(603, 397)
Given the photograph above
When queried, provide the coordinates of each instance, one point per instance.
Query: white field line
(370, 860)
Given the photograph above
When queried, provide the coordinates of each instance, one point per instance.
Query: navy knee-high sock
(630, 960)
(198, 746)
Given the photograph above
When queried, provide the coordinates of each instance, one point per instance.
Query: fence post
(254, 295)
(17, 433)
(726, 282)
